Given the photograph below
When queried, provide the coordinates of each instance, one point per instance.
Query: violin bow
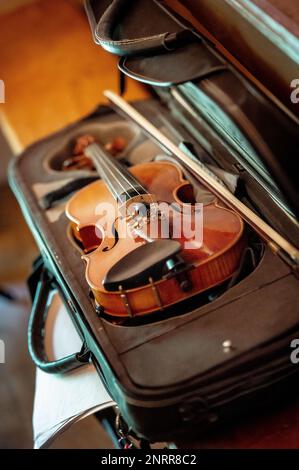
(276, 242)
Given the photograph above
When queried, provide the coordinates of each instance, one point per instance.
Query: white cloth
(61, 400)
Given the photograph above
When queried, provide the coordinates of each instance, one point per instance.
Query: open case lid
(263, 35)
(160, 48)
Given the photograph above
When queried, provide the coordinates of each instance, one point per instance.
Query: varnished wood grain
(214, 261)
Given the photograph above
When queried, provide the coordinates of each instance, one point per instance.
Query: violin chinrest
(147, 261)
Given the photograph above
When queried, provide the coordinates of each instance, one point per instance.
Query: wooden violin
(131, 272)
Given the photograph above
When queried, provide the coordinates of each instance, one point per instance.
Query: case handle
(36, 330)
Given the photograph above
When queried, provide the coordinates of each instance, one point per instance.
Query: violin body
(211, 264)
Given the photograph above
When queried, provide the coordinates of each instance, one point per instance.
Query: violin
(139, 259)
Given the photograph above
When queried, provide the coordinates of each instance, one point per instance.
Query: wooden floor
(18, 249)
(53, 72)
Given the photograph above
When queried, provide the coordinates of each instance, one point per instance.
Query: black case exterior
(272, 132)
(168, 375)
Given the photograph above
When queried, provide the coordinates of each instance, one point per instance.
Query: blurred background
(17, 251)
(53, 75)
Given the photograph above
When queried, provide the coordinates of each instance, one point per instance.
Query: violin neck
(121, 183)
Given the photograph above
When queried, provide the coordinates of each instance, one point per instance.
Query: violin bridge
(129, 205)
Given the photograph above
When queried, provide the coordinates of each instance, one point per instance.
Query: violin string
(103, 163)
(128, 181)
(116, 168)
(92, 153)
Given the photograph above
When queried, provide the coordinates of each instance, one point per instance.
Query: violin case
(228, 352)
